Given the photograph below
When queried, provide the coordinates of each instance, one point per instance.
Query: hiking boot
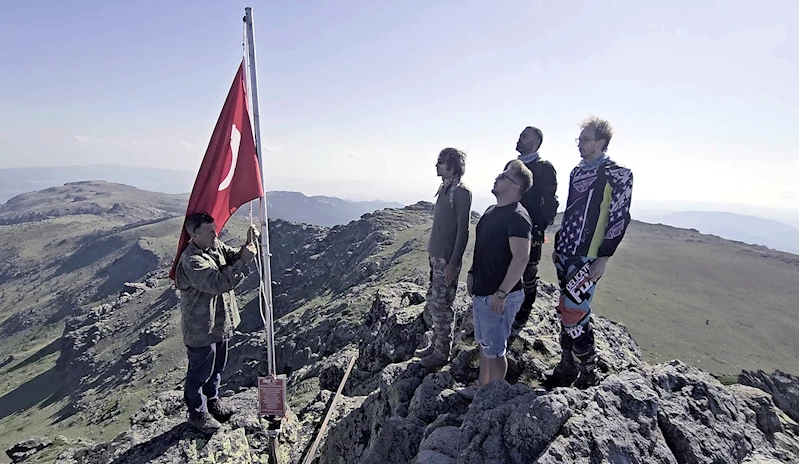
(563, 374)
(433, 361)
(566, 371)
(221, 410)
(427, 347)
(587, 378)
(204, 422)
(586, 366)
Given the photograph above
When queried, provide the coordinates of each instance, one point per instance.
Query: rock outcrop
(356, 291)
(395, 411)
(27, 448)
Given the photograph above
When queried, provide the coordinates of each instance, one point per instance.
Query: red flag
(229, 175)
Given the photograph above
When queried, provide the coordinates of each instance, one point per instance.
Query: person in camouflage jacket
(207, 273)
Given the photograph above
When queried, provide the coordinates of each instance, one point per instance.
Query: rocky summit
(358, 291)
(394, 411)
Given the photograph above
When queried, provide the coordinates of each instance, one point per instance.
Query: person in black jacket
(541, 203)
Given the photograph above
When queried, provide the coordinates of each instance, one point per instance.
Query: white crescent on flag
(235, 140)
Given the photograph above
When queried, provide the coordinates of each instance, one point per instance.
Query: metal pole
(266, 275)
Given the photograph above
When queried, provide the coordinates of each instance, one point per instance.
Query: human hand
(247, 252)
(252, 234)
(497, 304)
(597, 268)
(450, 273)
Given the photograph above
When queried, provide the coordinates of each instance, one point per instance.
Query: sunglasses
(505, 176)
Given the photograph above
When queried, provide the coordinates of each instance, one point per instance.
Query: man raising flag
(206, 270)
(229, 175)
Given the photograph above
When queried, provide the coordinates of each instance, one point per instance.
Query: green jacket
(206, 279)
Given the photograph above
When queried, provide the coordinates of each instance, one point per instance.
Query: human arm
(598, 268)
(463, 207)
(203, 275)
(547, 184)
(246, 251)
(520, 250)
(621, 184)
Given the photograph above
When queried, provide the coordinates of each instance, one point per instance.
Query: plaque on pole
(272, 395)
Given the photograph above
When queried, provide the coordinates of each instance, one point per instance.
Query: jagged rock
(783, 388)
(391, 331)
(132, 288)
(435, 397)
(76, 341)
(160, 435)
(7, 360)
(378, 431)
(669, 413)
(701, 420)
(537, 348)
(151, 335)
(441, 447)
(393, 410)
(27, 448)
(761, 404)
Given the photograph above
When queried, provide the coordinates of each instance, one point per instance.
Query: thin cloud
(80, 138)
(271, 148)
(351, 154)
(186, 145)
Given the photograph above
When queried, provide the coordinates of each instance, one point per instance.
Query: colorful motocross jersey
(597, 211)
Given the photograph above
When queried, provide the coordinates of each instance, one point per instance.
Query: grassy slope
(721, 305)
(664, 284)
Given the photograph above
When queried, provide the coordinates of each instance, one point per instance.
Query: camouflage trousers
(440, 298)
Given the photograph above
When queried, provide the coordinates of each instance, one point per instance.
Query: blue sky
(357, 98)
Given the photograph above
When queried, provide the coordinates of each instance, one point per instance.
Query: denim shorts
(491, 330)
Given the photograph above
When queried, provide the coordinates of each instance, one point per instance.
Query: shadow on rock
(157, 446)
(43, 388)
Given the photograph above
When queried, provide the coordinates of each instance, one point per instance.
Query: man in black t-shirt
(501, 252)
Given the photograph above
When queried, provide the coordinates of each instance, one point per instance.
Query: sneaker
(433, 360)
(204, 422)
(221, 410)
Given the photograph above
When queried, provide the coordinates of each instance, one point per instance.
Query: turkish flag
(229, 175)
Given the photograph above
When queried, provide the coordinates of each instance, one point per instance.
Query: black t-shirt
(492, 255)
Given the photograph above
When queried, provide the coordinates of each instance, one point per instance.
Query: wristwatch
(501, 294)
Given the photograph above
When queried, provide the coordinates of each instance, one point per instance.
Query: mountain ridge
(734, 226)
(354, 289)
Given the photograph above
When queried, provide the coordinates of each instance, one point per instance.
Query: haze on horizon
(357, 100)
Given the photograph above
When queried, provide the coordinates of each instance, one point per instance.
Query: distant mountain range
(320, 210)
(289, 206)
(743, 228)
(21, 180)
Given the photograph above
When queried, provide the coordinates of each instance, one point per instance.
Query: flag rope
(258, 261)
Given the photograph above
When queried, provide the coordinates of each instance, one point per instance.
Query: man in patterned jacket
(593, 225)
(206, 275)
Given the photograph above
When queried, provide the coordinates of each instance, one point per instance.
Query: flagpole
(266, 272)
